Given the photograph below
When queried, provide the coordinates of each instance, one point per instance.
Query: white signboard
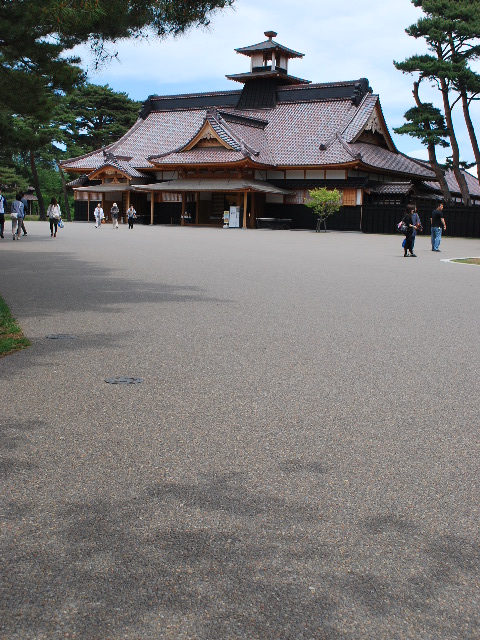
(234, 221)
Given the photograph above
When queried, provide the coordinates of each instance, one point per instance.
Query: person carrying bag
(54, 216)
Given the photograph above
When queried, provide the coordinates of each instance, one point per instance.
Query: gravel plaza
(299, 461)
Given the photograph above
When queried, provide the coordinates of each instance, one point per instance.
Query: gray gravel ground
(301, 460)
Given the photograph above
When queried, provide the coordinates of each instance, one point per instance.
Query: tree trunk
(65, 195)
(432, 155)
(36, 184)
(462, 183)
(471, 130)
(466, 110)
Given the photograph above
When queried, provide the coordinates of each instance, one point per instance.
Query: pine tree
(427, 123)
(451, 29)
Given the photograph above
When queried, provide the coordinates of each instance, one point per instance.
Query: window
(349, 197)
(298, 197)
(167, 196)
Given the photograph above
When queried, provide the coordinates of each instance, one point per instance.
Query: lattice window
(349, 197)
(298, 197)
(168, 196)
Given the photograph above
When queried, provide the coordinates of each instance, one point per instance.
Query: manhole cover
(61, 336)
(123, 380)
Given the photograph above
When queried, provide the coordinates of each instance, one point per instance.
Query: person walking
(54, 215)
(17, 214)
(408, 222)
(114, 212)
(417, 227)
(25, 212)
(131, 215)
(3, 208)
(99, 215)
(438, 225)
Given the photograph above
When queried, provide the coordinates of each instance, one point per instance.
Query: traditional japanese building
(260, 147)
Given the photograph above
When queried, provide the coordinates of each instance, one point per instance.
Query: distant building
(259, 147)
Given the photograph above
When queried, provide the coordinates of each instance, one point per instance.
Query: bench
(274, 223)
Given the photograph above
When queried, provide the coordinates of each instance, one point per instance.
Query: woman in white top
(54, 214)
(99, 215)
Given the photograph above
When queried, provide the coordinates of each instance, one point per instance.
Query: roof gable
(368, 125)
(375, 130)
(207, 137)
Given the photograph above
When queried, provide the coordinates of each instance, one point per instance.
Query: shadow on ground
(216, 559)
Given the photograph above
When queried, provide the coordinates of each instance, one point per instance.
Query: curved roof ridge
(346, 146)
(243, 145)
(360, 116)
(221, 130)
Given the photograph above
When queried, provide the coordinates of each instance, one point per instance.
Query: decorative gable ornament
(207, 137)
(374, 125)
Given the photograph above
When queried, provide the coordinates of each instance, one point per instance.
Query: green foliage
(37, 71)
(451, 29)
(12, 181)
(11, 336)
(94, 116)
(425, 123)
(38, 35)
(324, 202)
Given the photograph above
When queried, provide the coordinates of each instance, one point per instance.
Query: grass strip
(468, 260)
(11, 336)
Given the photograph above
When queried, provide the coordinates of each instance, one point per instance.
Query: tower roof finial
(270, 34)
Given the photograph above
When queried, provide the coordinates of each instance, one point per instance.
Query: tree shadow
(96, 288)
(216, 558)
(13, 434)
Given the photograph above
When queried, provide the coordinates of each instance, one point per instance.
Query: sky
(342, 40)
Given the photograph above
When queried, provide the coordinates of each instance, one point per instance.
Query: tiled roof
(390, 188)
(269, 45)
(122, 165)
(472, 184)
(360, 117)
(380, 158)
(311, 125)
(202, 155)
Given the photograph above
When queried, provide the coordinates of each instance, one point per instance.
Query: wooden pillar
(252, 207)
(197, 207)
(152, 205)
(128, 204)
(245, 200)
(182, 219)
(88, 206)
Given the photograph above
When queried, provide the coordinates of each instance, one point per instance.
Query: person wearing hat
(99, 215)
(115, 211)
